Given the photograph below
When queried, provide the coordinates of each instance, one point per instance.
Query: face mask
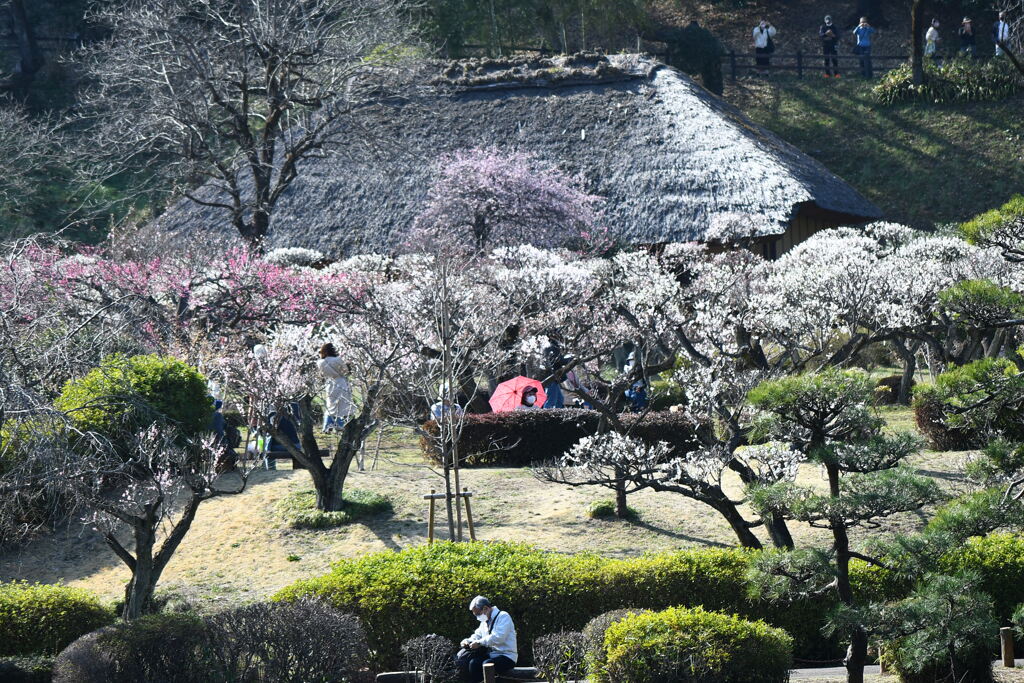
(481, 618)
(530, 400)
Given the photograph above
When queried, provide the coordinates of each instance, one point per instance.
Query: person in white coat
(338, 392)
(764, 46)
(493, 642)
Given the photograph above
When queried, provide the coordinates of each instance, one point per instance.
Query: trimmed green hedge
(999, 559)
(42, 619)
(680, 644)
(401, 595)
(528, 436)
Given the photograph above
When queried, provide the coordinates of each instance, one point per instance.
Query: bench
(519, 673)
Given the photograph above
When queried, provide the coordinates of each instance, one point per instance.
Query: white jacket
(500, 638)
(761, 36)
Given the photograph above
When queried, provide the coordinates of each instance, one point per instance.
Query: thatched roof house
(674, 162)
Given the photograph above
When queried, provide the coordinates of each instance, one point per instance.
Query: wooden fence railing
(801, 62)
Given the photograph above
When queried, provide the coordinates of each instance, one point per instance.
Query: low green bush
(959, 80)
(37, 669)
(124, 394)
(605, 509)
(298, 510)
(999, 560)
(938, 407)
(680, 644)
(42, 619)
(529, 436)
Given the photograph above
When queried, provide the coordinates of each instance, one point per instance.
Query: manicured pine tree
(828, 417)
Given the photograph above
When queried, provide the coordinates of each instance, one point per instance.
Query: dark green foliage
(159, 647)
(593, 634)
(887, 390)
(126, 394)
(981, 303)
(970, 404)
(44, 619)
(981, 227)
(998, 561)
(680, 644)
(301, 642)
(433, 655)
(528, 436)
(298, 509)
(959, 80)
(945, 632)
(605, 509)
(305, 641)
(560, 657)
(26, 669)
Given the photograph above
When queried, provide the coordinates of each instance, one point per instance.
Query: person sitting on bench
(494, 641)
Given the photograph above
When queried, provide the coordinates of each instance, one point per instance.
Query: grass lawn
(921, 165)
(240, 549)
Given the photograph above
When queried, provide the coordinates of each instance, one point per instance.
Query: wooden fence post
(469, 514)
(489, 672)
(430, 520)
(799, 63)
(1006, 645)
(732, 64)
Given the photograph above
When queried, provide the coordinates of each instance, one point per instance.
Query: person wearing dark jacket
(829, 41)
(968, 41)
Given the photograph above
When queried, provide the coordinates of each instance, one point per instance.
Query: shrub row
(401, 595)
(959, 80)
(286, 643)
(520, 438)
(40, 619)
(427, 589)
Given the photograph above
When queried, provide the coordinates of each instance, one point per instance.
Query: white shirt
(500, 638)
(932, 34)
(761, 36)
(1002, 31)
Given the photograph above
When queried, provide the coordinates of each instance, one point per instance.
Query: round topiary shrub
(593, 633)
(85, 661)
(680, 644)
(432, 655)
(44, 619)
(561, 656)
(125, 394)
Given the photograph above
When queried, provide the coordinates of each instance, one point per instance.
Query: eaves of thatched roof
(673, 161)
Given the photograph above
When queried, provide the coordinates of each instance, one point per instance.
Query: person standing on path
(968, 41)
(338, 392)
(932, 38)
(764, 46)
(1000, 33)
(864, 34)
(829, 35)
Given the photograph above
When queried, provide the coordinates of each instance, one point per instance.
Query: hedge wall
(401, 595)
(42, 619)
(520, 438)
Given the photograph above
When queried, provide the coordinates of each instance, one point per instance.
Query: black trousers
(763, 57)
(831, 55)
(471, 664)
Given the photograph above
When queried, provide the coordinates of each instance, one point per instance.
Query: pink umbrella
(509, 394)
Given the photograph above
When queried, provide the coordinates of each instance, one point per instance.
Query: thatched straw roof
(673, 160)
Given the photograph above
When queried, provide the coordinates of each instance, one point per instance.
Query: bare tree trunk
(916, 38)
(621, 508)
(30, 58)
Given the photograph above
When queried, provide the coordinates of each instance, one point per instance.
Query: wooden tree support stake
(1006, 645)
(432, 496)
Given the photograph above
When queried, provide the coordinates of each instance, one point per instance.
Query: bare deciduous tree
(234, 94)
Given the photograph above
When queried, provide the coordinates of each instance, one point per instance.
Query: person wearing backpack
(764, 46)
